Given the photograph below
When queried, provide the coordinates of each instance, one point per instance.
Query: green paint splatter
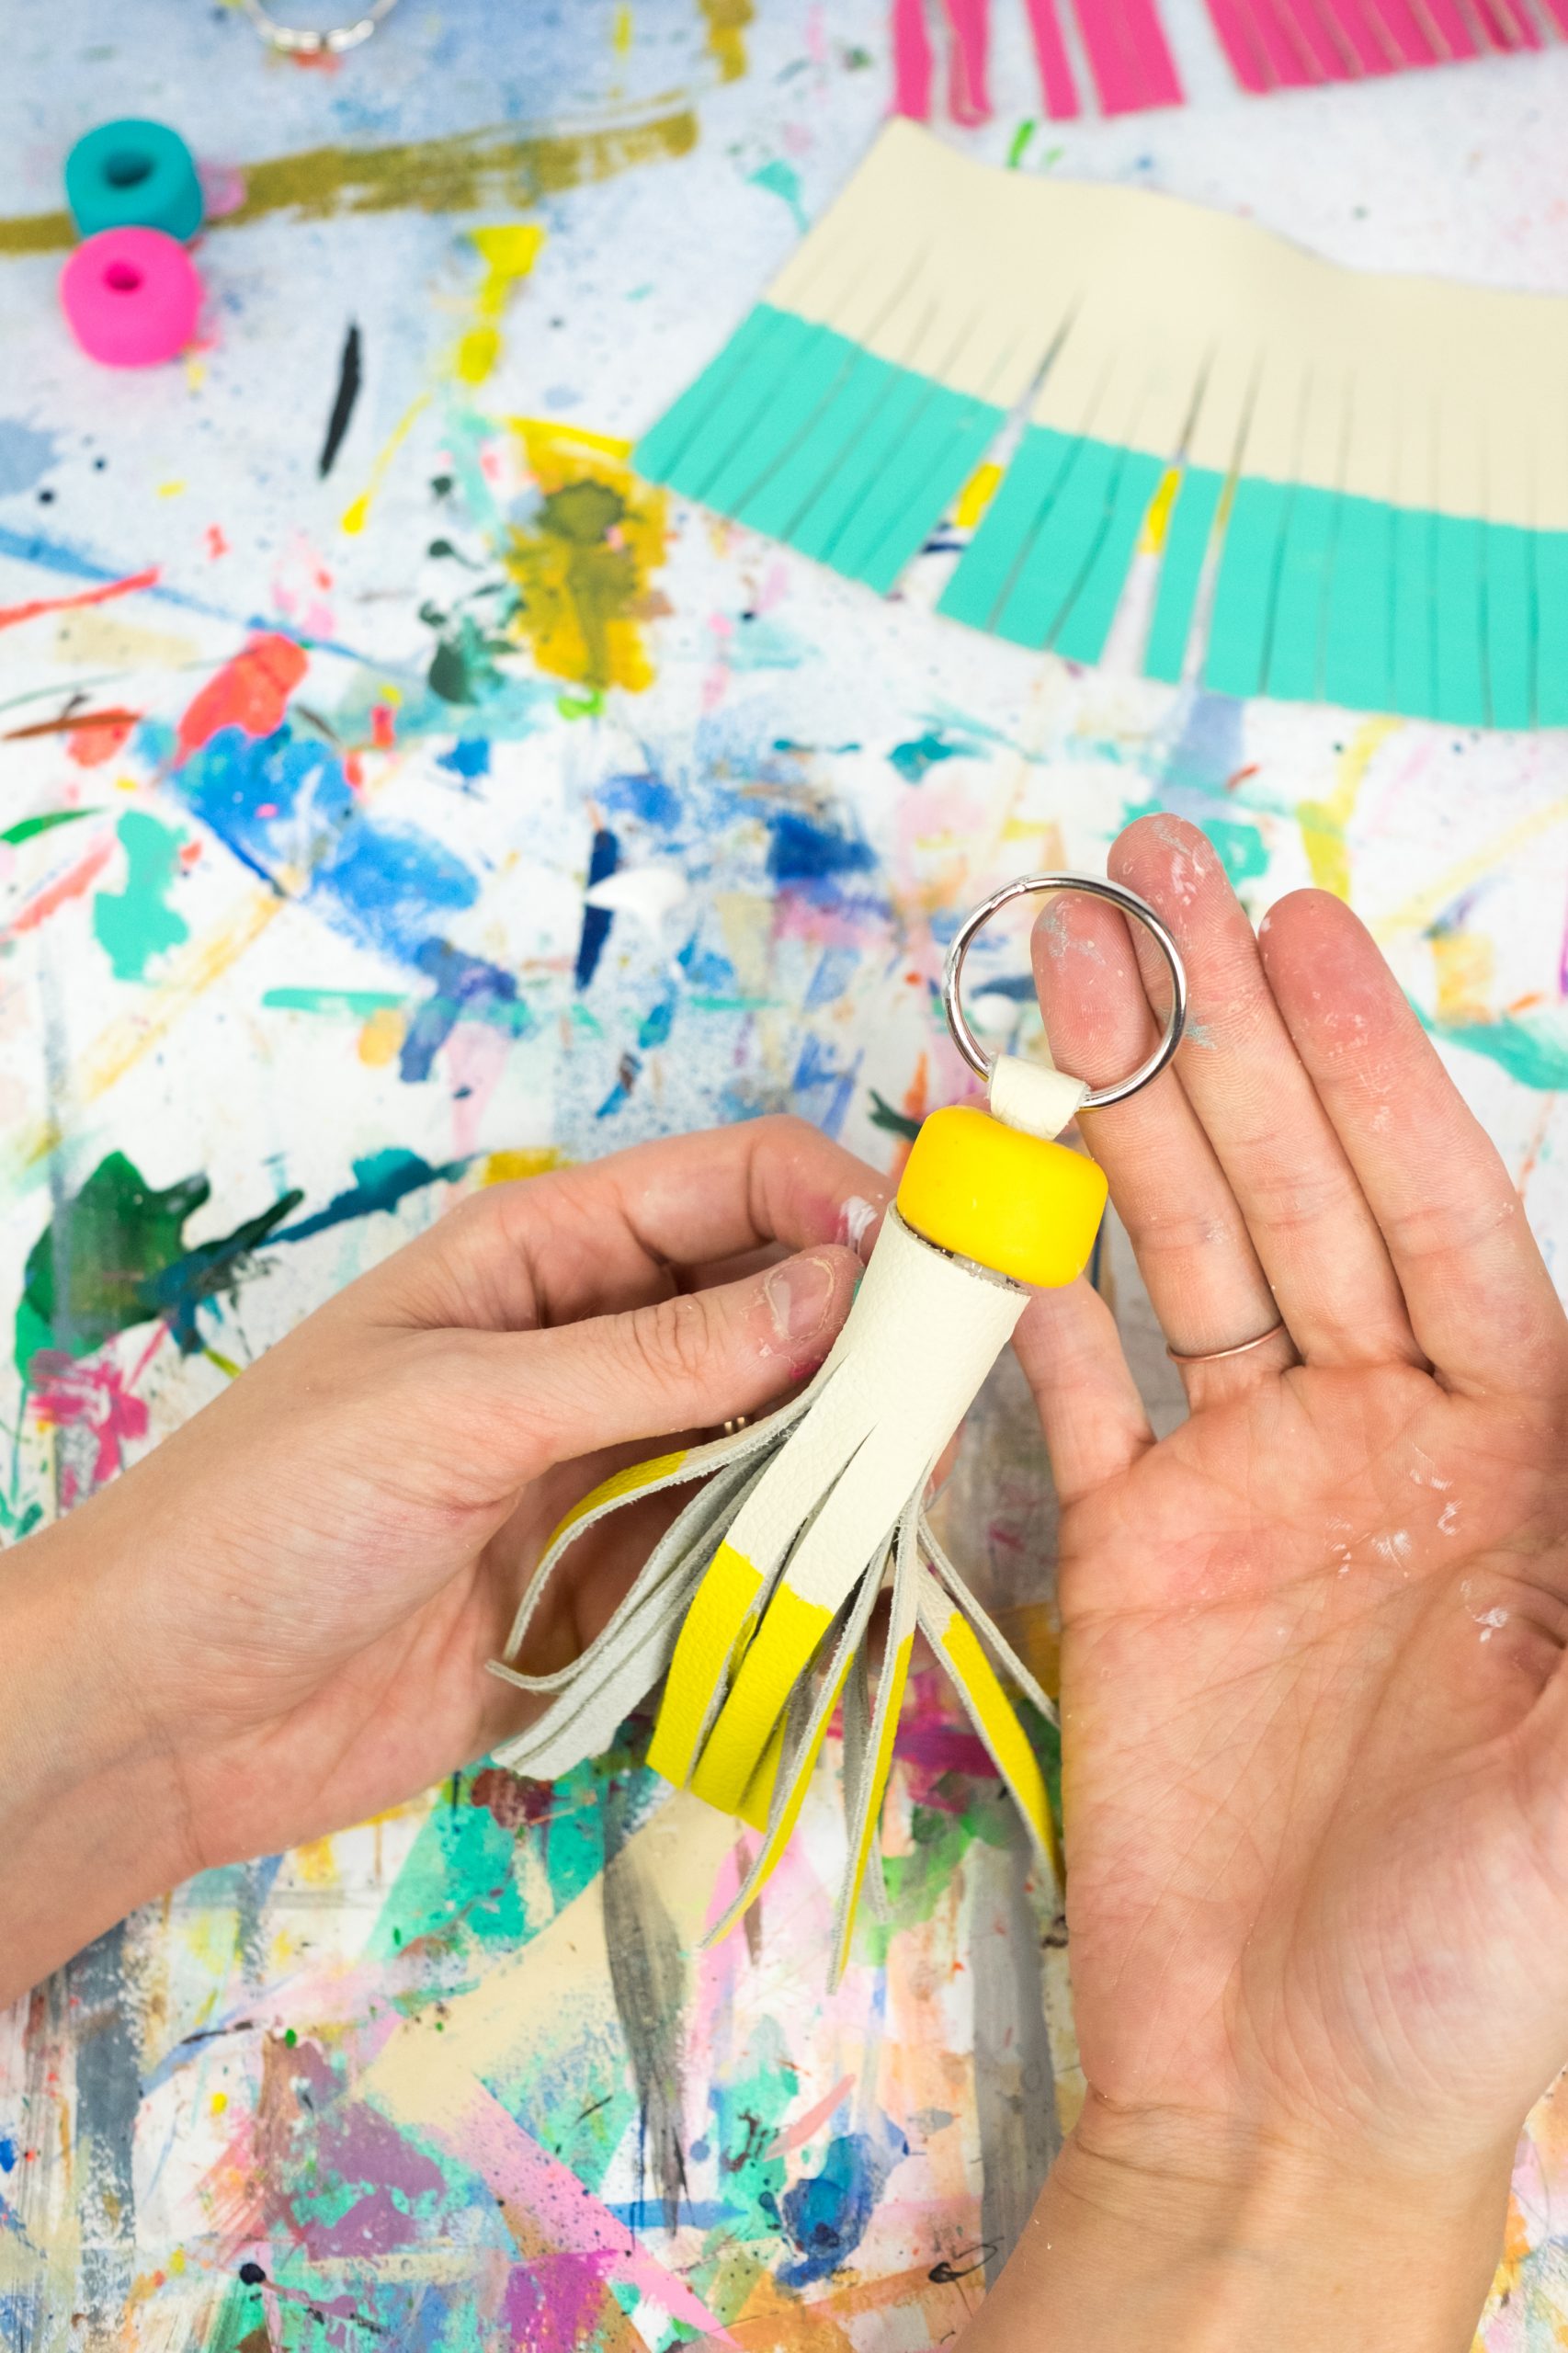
(1240, 847)
(922, 751)
(891, 1123)
(31, 827)
(360, 1003)
(133, 925)
(1535, 1053)
(782, 180)
(1021, 137)
(114, 1255)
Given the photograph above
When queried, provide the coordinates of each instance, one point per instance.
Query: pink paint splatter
(87, 1394)
(911, 60)
(223, 189)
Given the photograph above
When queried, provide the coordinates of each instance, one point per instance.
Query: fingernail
(799, 1295)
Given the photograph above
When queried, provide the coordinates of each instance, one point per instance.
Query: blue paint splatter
(469, 757)
(381, 1180)
(645, 797)
(825, 2215)
(782, 180)
(810, 849)
(467, 988)
(602, 862)
(8, 2156)
(25, 455)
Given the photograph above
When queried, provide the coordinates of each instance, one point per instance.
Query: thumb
(683, 1363)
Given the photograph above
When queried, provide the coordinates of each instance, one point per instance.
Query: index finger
(586, 1241)
(1481, 1303)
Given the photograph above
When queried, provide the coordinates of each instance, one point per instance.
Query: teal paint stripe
(924, 488)
(985, 573)
(1415, 649)
(1459, 695)
(1358, 665)
(1552, 629)
(865, 464)
(786, 490)
(663, 445)
(1300, 597)
(1510, 624)
(1244, 592)
(820, 362)
(1086, 624)
(1181, 569)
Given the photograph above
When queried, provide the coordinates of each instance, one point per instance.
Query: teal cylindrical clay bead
(133, 174)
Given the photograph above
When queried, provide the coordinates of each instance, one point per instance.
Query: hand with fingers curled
(1313, 1698)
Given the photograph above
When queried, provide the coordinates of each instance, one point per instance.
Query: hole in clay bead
(126, 168)
(120, 276)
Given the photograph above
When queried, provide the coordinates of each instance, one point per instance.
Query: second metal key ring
(1095, 887)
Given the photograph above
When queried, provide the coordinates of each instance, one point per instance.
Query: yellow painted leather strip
(621, 1485)
(1005, 1734)
(898, 1669)
(780, 1650)
(715, 1624)
(757, 1802)
(784, 1828)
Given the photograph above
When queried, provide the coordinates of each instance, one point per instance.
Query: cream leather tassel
(757, 1603)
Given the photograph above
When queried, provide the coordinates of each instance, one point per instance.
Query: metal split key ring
(303, 40)
(1095, 887)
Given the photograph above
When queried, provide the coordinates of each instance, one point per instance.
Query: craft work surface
(400, 793)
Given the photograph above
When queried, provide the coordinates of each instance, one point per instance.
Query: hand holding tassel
(756, 1605)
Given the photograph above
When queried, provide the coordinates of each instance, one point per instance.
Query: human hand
(1314, 1706)
(278, 1622)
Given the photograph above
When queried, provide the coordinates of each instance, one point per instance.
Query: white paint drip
(856, 1219)
(647, 894)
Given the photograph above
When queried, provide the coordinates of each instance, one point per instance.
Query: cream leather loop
(1040, 1102)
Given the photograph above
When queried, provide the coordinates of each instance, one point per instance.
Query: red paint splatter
(11, 614)
(91, 746)
(190, 852)
(1241, 776)
(217, 544)
(354, 772)
(70, 885)
(91, 1395)
(383, 727)
(252, 691)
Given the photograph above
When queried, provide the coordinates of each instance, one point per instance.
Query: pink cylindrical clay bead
(130, 296)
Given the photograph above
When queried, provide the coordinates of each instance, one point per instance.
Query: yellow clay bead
(1012, 1202)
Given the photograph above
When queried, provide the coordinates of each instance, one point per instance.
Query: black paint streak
(955, 2268)
(648, 1974)
(343, 406)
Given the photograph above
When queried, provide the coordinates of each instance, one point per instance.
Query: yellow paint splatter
(504, 1167)
(219, 2102)
(1157, 522)
(727, 22)
(582, 566)
(1463, 964)
(976, 496)
(170, 489)
(1322, 823)
(316, 1862)
(1416, 912)
(509, 252)
(381, 1040)
(620, 35)
(356, 516)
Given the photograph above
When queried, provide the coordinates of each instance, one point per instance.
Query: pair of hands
(1315, 1715)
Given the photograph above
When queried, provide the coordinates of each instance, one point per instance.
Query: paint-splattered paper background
(391, 806)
